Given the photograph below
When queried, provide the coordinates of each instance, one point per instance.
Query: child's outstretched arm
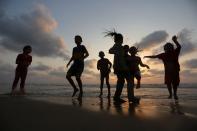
(144, 65)
(151, 56)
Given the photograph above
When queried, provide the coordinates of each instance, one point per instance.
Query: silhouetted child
(79, 53)
(23, 61)
(121, 69)
(134, 62)
(104, 65)
(171, 65)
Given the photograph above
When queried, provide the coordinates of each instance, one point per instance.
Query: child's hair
(27, 47)
(101, 54)
(126, 48)
(168, 47)
(78, 37)
(133, 50)
(114, 34)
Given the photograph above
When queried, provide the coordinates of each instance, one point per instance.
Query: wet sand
(34, 113)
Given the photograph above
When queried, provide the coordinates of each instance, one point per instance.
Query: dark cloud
(34, 28)
(191, 63)
(188, 46)
(152, 39)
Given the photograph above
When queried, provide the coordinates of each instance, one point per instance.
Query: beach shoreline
(64, 113)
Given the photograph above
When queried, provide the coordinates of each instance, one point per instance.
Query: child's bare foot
(75, 91)
(80, 96)
(13, 93)
(22, 92)
(170, 97)
(100, 95)
(137, 86)
(109, 95)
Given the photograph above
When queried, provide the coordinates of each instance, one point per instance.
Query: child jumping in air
(23, 61)
(134, 62)
(104, 65)
(79, 53)
(171, 65)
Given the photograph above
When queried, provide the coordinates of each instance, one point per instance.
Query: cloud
(59, 72)
(191, 63)
(34, 28)
(153, 39)
(184, 37)
(41, 67)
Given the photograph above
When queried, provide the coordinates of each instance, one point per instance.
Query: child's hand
(174, 38)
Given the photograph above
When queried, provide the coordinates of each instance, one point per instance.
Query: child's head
(78, 39)
(133, 50)
(168, 47)
(118, 38)
(101, 54)
(27, 49)
(126, 48)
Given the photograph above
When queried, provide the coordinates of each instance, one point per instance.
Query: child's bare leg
(108, 86)
(169, 90)
(15, 82)
(72, 84)
(101, 86)
(175, 91)
(80, 86)
(22, 84)
(138, 82)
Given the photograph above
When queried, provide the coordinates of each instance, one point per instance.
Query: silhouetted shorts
(172, 78)
(137, 75)
(76, 69)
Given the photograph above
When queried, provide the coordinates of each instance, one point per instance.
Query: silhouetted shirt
(103, 65)
(170, 60)
(133, 63)
(23, 60)
(78, 54)
(119, 58)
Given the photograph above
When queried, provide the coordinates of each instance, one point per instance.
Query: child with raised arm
(23, 61)
(79, 53)
(134, 62)
(104, 65)
(171, 65)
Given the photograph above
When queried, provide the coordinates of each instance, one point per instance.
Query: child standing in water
(23, 61)
(104, 65)
(121, 69)
(134, 62)
(171, 65)
(79, 53)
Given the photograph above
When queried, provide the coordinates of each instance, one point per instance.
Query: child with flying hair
(121, 69)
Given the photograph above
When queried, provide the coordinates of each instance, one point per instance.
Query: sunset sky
(49, 26)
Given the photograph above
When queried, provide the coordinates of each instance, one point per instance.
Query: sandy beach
(30, 113)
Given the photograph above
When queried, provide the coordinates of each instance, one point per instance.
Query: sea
(149, 91)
